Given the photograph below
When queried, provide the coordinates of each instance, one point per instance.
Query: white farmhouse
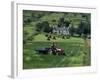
(61, 30)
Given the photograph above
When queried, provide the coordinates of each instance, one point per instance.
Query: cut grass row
(74, 55)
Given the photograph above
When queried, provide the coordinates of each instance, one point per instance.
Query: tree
(43, 27)
(27, 17)
(61, 22)
(67, 23)
(46, 27)
(72, 30)
(38, 27)
(84, 28)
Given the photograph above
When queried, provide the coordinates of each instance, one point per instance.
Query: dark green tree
(43, 27)
(61, 22)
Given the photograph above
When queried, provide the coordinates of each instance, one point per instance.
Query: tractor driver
(54, 48)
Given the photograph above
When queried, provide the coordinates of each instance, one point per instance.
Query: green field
(76, 53)
(38, 32)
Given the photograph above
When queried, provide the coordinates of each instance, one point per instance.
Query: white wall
(5, 39)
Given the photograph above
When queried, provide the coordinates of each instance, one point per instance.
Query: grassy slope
(74, 49)
(41, 37)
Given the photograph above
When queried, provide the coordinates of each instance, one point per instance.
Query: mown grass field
(77, 54)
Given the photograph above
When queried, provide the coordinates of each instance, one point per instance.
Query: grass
(41, 37)
(76, 53)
